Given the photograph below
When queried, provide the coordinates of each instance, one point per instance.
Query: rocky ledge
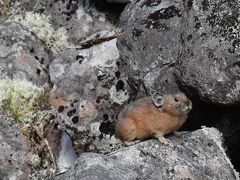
(191, 155)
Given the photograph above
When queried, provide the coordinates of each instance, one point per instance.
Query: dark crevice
(111, 10)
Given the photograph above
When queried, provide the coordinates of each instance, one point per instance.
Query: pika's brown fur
(148, 118)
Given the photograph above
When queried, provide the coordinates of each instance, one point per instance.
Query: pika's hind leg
(162, 139)
(126, 130)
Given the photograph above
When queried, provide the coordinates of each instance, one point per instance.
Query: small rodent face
(177, 103)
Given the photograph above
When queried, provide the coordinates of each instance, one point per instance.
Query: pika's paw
(163, 140)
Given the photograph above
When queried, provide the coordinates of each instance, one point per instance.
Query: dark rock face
(22, 54)
(209, 60)
(12, 150)
(196, 155)
(150, 42)
(118, 1)
(74, 67)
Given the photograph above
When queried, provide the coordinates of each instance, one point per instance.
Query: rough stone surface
(12, 150)
(91, 166)
(226, 119)
(210, 58)
(190, 72)
(22, 54)
(118, 1)
(196, 155)
(79, 18)
(201, 36)
(150, 42)
(90, 82)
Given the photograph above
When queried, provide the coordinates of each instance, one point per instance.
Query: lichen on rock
(4, 6)
(19, 96)
(118, 96)
(39, 24)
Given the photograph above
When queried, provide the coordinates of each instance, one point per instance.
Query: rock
(13, 150)
(149, 44)
(157, 33)
(225, 119)
(93, 166)
(193, 77)
(60, 146)
(23, 55)
(73, 67)
(94, 91)
(196, 155)
(118, 1)
(79, 18)
(209, 61)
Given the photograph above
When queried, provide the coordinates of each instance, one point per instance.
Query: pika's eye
(176, 99)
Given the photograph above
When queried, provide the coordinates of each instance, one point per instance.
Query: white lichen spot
(81, 128)
(57, 70)
(57, 40)
(3, 73)
(118, 96)
(13, 177)
(234, 91)
(95, 129)
(102, 18)
(35, 160)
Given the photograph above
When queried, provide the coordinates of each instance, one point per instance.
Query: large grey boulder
(23, 55)
(197, 39)
(76, 72)
(210, 58)
(196, 155)
(150, 42)
(198, 79)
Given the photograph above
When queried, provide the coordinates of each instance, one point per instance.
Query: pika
(153, 116)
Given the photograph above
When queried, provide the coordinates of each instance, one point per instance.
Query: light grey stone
(23, 55)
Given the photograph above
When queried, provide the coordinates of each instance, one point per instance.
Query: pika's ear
(157, 99)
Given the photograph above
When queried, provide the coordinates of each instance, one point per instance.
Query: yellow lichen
(19, 97)
(4, 6)
(28, 105)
